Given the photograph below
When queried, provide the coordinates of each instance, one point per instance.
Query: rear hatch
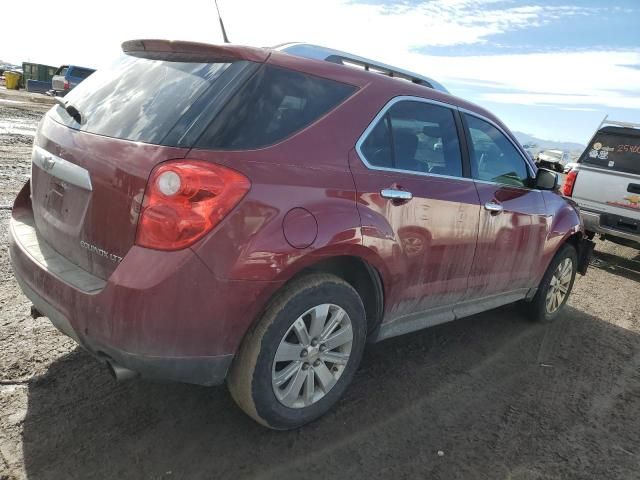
(93, 155)
(608, 180)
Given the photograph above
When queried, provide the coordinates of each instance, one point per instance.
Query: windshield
(139, 99)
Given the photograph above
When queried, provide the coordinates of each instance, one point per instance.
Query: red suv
(205, 213)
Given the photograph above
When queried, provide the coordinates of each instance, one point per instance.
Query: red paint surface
(510, 244)
(300, 227)
(437, 249)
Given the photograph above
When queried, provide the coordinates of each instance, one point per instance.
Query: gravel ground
(489, 397)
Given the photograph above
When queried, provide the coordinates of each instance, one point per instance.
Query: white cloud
(582, 78)
(378, 29)
(604, 99)
(391, 34)
(90, 33)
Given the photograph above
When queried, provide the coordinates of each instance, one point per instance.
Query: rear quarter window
(274, 104)
(612, 152)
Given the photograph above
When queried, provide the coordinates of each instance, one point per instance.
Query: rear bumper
(163, 315)
(198, 370)
(592, 223)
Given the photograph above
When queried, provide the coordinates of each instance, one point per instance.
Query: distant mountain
(525, 138)
(6, 65)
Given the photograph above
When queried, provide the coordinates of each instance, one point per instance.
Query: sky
(550, 68)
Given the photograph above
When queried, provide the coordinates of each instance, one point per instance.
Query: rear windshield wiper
(70, 109)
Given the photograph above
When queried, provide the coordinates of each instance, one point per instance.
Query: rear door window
(416, 137)
(273, 105)
(377, 148)
(614, 152)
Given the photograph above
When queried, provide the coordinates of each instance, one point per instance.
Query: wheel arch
(565, 226)
(573, 237)
(362, 276)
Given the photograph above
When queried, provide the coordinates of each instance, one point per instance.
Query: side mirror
(546, 180)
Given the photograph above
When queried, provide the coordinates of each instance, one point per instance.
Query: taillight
(66, 85)
(569, 182)
(184, 200)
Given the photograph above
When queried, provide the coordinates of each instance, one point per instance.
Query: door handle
(633, 188)
(493, 207)
(395, 194)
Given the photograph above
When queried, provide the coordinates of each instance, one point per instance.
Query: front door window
(493, 156)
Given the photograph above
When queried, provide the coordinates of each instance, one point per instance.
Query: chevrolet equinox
(204, 213)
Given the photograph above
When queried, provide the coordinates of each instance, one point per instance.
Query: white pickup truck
(606, 183)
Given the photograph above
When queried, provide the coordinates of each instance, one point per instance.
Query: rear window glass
(62, 71)
(139, 99)
(274, 104)
(81, 72)
(618, 153)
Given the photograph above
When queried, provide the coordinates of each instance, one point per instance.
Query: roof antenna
(224, 32)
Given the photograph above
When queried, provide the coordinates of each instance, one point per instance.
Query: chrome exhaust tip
(119, 373)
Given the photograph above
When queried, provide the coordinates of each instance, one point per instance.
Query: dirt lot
(492, 396)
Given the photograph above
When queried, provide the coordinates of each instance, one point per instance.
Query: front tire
(555, 287)
(300, 357)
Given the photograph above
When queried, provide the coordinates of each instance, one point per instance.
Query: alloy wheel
(312, 356)
(559, 285)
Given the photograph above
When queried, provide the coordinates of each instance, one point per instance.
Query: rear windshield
(273, 105)
(614, 152)
(81, 72)
(233, 106)
(62, 71)
(139, 99)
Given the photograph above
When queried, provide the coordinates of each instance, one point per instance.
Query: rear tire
(555, 287)
(300, 357)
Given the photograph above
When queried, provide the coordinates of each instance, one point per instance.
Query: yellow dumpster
(12, 80)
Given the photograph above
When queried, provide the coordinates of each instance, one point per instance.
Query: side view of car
(553, 159)
(262, 225)
(606, 183)
(66, 78)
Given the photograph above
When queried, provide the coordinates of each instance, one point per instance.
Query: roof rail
(317, 52)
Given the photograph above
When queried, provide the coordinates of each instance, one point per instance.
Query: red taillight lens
(66, 84)
(184, 200)
(569, 182)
